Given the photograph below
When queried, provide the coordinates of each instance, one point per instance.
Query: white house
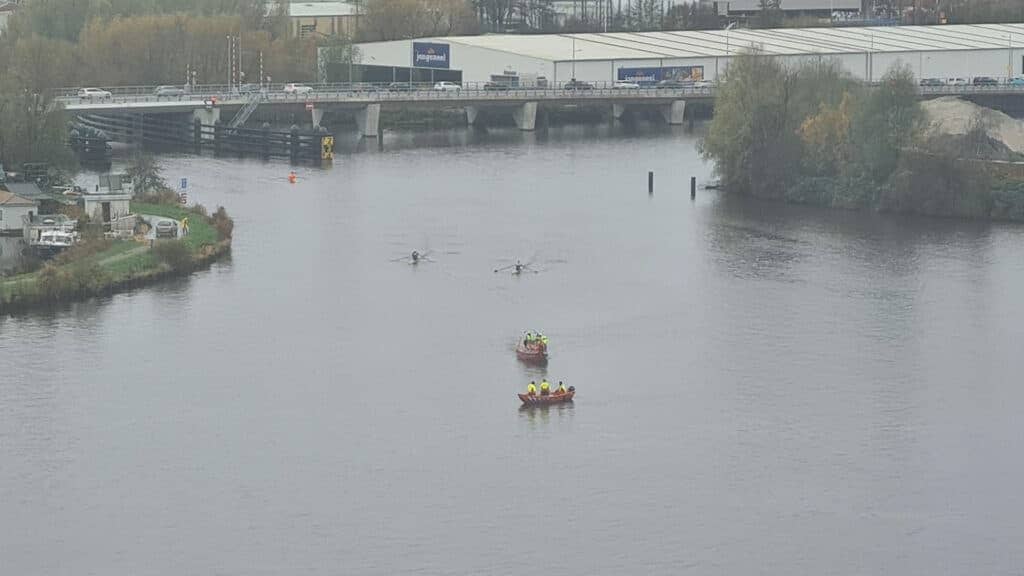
(110, 200)
(7, 9)
(12, 208)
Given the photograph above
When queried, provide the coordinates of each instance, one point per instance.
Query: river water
(761, 388)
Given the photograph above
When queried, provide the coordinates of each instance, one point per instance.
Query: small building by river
(13, 211)
(109, 200)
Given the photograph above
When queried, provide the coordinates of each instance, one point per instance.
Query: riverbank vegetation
(813, 134)
(101, 265)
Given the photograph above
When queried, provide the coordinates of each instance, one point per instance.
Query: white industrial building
(951, 51)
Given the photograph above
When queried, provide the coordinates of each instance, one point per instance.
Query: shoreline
(102, 274)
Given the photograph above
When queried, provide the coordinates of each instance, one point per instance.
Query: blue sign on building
(184, 183)
(648, 76)
(430, 55)
(640, 75)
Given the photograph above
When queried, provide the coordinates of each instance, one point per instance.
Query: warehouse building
(955, 51)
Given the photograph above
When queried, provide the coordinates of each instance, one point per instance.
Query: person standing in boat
(561, 388)
(531, 390)
(528, 339)
(545, 388)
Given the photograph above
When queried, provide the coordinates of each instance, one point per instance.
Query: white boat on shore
(53, 242)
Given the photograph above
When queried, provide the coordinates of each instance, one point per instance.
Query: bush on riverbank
(173, 253)
(812, 134)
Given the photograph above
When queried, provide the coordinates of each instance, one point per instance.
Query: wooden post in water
(380, 136)
(693, 187)
(650, 182)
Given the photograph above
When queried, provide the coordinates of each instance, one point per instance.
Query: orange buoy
(292, 177)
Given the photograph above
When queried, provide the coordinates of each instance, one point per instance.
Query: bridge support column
(318, 115)
(526, 116)
(368, 120)
(673, 113)
(206, 117)
(471, 114)
(618, 110)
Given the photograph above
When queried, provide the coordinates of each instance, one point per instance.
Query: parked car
(400, 87)
(1018, 81)
(292, 88)
(167, 229)
(94, 94)
(249, 88)
(703, 84)
(497, 86)
(169, 91)
(957, 82)
(932, 82)
(985, 81)
(575, 84)
(446, 86)
(623, 85)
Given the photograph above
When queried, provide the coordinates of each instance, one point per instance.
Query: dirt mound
(951, 115)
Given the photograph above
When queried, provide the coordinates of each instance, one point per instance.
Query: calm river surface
(761, 388)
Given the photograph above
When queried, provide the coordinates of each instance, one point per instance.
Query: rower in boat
(545, 387)
(531, 390)
(561, 388)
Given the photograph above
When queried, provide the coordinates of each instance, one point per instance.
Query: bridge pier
(618, 111)
(207, 117)
(526, 116)
(318, 115)
(673, 113)
(368, 120)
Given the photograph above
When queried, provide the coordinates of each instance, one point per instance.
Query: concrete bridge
(210, 104)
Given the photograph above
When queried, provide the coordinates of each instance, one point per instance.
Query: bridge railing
(225, 90)
(366, 92)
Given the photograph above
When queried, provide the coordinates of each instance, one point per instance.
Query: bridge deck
(358, 98)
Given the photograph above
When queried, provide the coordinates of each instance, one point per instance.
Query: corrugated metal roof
(320, 9)
(782, 41)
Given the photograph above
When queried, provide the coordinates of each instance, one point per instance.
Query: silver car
(169, 91)
(167, 229)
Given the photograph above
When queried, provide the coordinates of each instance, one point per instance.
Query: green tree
(888, 120)
(752, 137)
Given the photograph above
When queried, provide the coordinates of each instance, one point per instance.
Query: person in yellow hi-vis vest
(184, 226)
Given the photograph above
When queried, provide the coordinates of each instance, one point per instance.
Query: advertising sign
(430, 55)
(649, 76)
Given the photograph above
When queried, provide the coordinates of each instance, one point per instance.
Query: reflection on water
(761, 385)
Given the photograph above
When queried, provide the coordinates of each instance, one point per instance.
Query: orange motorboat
(547, 399)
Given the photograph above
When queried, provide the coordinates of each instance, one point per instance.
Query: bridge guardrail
(349, 94)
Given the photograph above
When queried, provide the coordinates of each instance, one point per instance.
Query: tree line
(52, 44)
(813, 134)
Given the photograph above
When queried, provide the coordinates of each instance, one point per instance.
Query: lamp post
(573, 57)
(1009, 59)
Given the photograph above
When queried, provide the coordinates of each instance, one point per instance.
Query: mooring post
(294, 143)
(650, 182)
(265, 140)
(693, 187)
(218, 135)
(197, 135)
(380, 137)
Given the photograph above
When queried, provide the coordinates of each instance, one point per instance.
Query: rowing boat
(539, 400)
(533, 353)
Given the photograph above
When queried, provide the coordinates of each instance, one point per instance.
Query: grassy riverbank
(103, 266)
